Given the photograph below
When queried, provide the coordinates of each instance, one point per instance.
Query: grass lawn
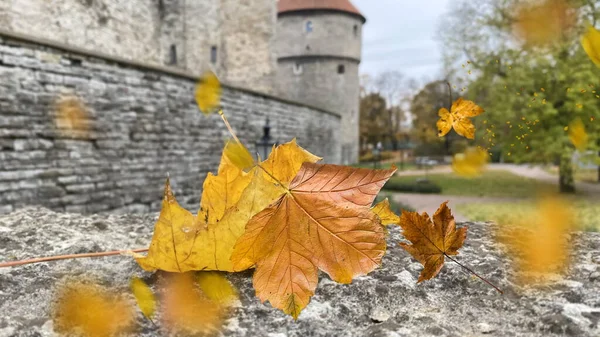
(585, 175)
(489, 184)
(585, 212)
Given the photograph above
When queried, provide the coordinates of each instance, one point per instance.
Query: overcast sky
(400, 35)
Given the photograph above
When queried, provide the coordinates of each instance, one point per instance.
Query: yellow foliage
(91, 310)
(208, 92)
(471, 163)
(238, 155)
(143, 296)
(458, 118)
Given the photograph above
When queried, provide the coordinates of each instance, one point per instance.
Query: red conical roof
(285, 6)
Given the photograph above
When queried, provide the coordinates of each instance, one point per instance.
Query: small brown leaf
(431, 241)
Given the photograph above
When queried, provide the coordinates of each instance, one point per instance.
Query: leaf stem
(70, 256)
(474, 273)
(229, 126)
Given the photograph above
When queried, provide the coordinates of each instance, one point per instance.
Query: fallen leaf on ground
(143, 296)
(458, 118)
(591, 44)
(577, 134)
(543, 22)
(431, 241)
(208, 92)
(183, 242)
(91, 310)
(470, 163)
(322, 220)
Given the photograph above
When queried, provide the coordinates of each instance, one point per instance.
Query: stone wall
(179, 33)
(144, 124)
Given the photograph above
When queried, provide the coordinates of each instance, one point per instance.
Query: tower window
(298, 69)
(173, 54)
(308, 26)
(355, 30)
(213, 54)
(341, 69)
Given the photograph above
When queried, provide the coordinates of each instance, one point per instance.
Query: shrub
(418, 186)
(385, 155)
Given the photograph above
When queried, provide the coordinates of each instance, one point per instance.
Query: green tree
(530, 94)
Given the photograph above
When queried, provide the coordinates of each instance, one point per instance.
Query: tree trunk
(565, 172)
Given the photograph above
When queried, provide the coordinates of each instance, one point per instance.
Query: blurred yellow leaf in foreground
(143, 296)
(71, 116)
(543, 22)
(591, 44)
(208, 92)
(187, 309)
(577, 134)
(470, 163)
(539, 241)
(90, 310)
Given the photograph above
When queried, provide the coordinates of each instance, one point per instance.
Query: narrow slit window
(308, 26)
(213, 54)
(341, 69)
(173, 54)
(298, 69)
(355, 30)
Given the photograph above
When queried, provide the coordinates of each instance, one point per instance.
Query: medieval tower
(318, 47)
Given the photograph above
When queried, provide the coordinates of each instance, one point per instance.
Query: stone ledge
(387, 302)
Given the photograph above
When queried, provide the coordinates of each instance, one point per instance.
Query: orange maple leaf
(432, 241)
(321, 221)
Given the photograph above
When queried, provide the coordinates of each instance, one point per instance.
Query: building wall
(144, 123)
(243, 32)
(332, 34)
(308, 67)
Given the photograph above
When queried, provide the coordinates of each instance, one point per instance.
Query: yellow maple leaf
(458, 118)
(543, 22)
(143, 296)
(385, 214)
(208, 92)
(591, 44)
(88, 309)
(321, 220)
(539, 241)
(577, 134)
(470, 163)
(183, 242)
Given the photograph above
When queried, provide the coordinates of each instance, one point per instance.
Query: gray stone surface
(387, 302)
(144, 124)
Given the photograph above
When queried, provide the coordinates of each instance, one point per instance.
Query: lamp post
(265, 144)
